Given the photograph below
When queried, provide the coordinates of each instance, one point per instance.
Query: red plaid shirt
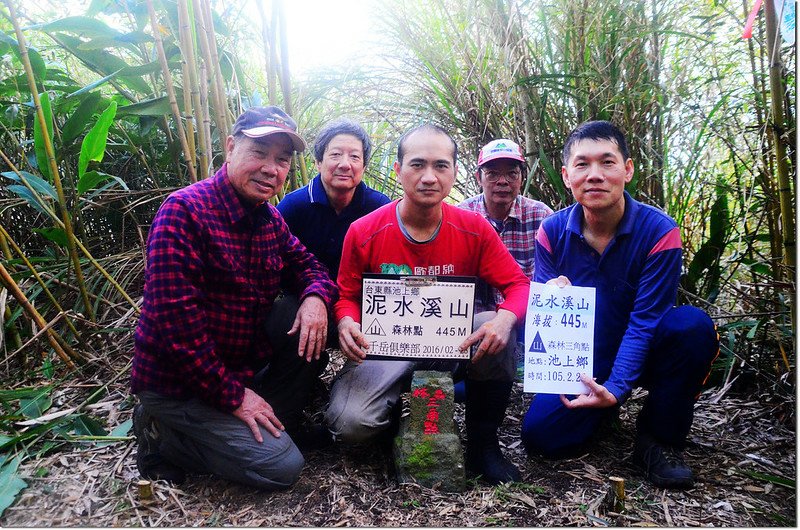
(213, 271)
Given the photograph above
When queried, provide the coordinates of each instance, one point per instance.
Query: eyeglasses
(494, 176)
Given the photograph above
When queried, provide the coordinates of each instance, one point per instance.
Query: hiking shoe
(149, 461)
(663, 465)
(489, 463)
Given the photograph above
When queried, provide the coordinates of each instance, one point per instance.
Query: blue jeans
(684, 345)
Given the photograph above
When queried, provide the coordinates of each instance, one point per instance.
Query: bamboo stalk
(5, 248)
(7, 237)
(285, 79)
(33, 314)
(286, 86)
(772, 206)
(51, 160)
(46, 208)
(11, 331)
(778, 127)
(206, 114)
(270, 56)
(617, 494)
(187, 47)
(173, 103)
(226, 123)
(188, 114)
(217, 99)
(782, 166)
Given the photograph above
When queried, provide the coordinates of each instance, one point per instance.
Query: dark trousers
(202, 439)
(684, 346)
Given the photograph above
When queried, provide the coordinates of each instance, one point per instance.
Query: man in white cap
(515, 218)
(222, 372)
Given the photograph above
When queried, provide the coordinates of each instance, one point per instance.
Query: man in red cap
(221, 370)
(515, 218)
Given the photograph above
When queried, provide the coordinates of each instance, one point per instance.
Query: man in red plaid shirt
(222, 369)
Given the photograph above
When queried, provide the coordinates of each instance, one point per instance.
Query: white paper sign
(424, 317)
(559, 339)
(787, 14)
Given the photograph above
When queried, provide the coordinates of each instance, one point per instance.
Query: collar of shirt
(316, 194)
(230, 201)
(626, 224)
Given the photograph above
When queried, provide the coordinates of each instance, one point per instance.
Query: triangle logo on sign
(537, 346)
(375, 329)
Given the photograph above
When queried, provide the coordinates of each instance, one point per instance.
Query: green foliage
(37, 63)
(40, 138)
(10, 483)
(691, 99)
(705, 267)
(93, 147)
(80, 118)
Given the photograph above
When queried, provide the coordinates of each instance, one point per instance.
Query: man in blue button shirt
(320, 213)
(631, 253)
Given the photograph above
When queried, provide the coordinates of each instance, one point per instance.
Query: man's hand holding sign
(560, 342)
(598, 396)
(391, 331)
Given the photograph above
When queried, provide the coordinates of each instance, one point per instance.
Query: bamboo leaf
(129, 40)
(37, 183)
(83, 424)
(93, 147)
(85, 26)
(92, 86)
(10, 484)
(76, 123)
(115, 181)
(38, 135)
(25, 193)
(56, 235)
(775, 479)
(150, 107)
(120, 430)
(37, 63)
(36, 406)
(23, 393)
(102, 62)
(148, 68)
(135, 37)
(752, 333)
(91, 179)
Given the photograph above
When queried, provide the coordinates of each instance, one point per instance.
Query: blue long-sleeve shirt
(313, 220)
(636, 279)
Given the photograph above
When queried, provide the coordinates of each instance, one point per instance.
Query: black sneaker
(149, 461)
(663, 465)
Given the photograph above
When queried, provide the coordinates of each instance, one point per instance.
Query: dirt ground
(742, 449)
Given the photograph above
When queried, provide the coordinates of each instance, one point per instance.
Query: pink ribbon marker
(748, 26)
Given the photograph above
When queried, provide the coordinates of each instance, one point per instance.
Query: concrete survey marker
(427, 449)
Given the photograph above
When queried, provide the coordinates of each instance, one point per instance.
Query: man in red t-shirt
(420, 233)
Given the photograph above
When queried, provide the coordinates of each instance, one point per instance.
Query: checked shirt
(213, 271)
(518, 234)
